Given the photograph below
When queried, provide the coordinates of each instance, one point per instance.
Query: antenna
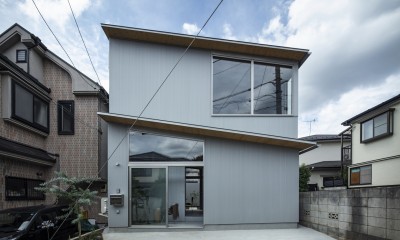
(310, 122)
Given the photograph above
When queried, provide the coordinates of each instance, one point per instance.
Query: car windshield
(14, 220)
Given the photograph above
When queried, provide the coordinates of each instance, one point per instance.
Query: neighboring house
(227, 120)
(325, 159)
(48, 119)
(375, 145)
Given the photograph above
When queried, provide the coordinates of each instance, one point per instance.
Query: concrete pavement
(301, 233)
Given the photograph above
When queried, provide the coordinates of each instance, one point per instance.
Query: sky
(354, 44)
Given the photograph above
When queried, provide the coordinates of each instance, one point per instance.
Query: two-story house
(48, 120)
(217, 146)
(325, 160)
(375, 146)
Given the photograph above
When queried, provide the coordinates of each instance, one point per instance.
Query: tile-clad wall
(78, 152)
(11, 167)
(366, 213)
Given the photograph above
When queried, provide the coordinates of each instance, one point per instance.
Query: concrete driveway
(275, 234)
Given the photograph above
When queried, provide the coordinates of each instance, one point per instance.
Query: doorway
(166, 196)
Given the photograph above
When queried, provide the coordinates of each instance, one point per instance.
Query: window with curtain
(361, 175)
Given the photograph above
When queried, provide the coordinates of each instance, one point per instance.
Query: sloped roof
(325, 164)
(183, 40)
(386, 104)
(21, 151)
(325, 138)
(207, 131)
(6, 63)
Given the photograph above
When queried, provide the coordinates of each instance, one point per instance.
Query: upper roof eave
(386, 103)
(207, 131)
(121, 32)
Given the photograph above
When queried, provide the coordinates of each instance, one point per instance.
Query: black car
(36, 223)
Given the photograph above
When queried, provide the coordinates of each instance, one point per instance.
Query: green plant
(70, 189)
(304, 178)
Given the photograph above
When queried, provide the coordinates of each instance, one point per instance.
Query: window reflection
(271, 89)
(150, 147)
(231, 86)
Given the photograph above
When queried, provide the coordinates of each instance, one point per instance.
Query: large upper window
(237, 89)
(29, 108)
(65, 117)
(361, 175)
(377, 127)
(145, 147)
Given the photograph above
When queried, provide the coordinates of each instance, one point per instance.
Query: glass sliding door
(148, 196)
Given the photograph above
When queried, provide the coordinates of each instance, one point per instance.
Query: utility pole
(278, 92)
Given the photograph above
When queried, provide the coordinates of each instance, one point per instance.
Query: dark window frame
(389, 129)
(26, 56)
(28, 186)
(21, 119)
(336, 182)
(60, 105)
(359, 176)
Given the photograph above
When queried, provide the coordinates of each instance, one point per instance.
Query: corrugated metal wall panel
(118, 175)
(137, 69)
(249, 183)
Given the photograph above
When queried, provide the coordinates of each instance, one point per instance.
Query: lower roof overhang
(22, 152)
(203, 131)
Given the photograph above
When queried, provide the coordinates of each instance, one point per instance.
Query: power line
(61, 45)
(83, 41)
(145, 107)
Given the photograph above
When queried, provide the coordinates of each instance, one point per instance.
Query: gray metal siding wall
(137, 69)
(249, 183)
(118, 175)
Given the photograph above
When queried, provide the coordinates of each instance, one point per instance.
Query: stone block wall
(364, 213)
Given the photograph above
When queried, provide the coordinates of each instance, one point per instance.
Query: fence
(364, 213)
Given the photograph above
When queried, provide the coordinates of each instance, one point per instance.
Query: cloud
(330, 116)
(274, 32)
(189, 28)
(228, 32)
(54, 11)
(352, 45)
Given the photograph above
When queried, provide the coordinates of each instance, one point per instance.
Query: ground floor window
(361, 175)
(332, 182)
(22, 189)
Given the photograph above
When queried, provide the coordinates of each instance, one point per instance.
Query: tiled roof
(324, 137)
(8, 146)
(16, 68)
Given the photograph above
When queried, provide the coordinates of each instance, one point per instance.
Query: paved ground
(301, 233)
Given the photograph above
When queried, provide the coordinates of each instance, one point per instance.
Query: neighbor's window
(22, 56)
(145, 147)
(29, 108)
(65, 117)
(377, 127)
(361, 175)
(22, 189)
(239, 90)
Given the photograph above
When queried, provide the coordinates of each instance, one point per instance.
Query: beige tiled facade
(78, 155)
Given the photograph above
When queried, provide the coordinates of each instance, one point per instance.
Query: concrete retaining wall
(365, 213)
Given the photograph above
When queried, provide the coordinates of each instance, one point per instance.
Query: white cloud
(54, 11)
(228, 32)
(274, 32)
(189, 28)
(331, 115)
